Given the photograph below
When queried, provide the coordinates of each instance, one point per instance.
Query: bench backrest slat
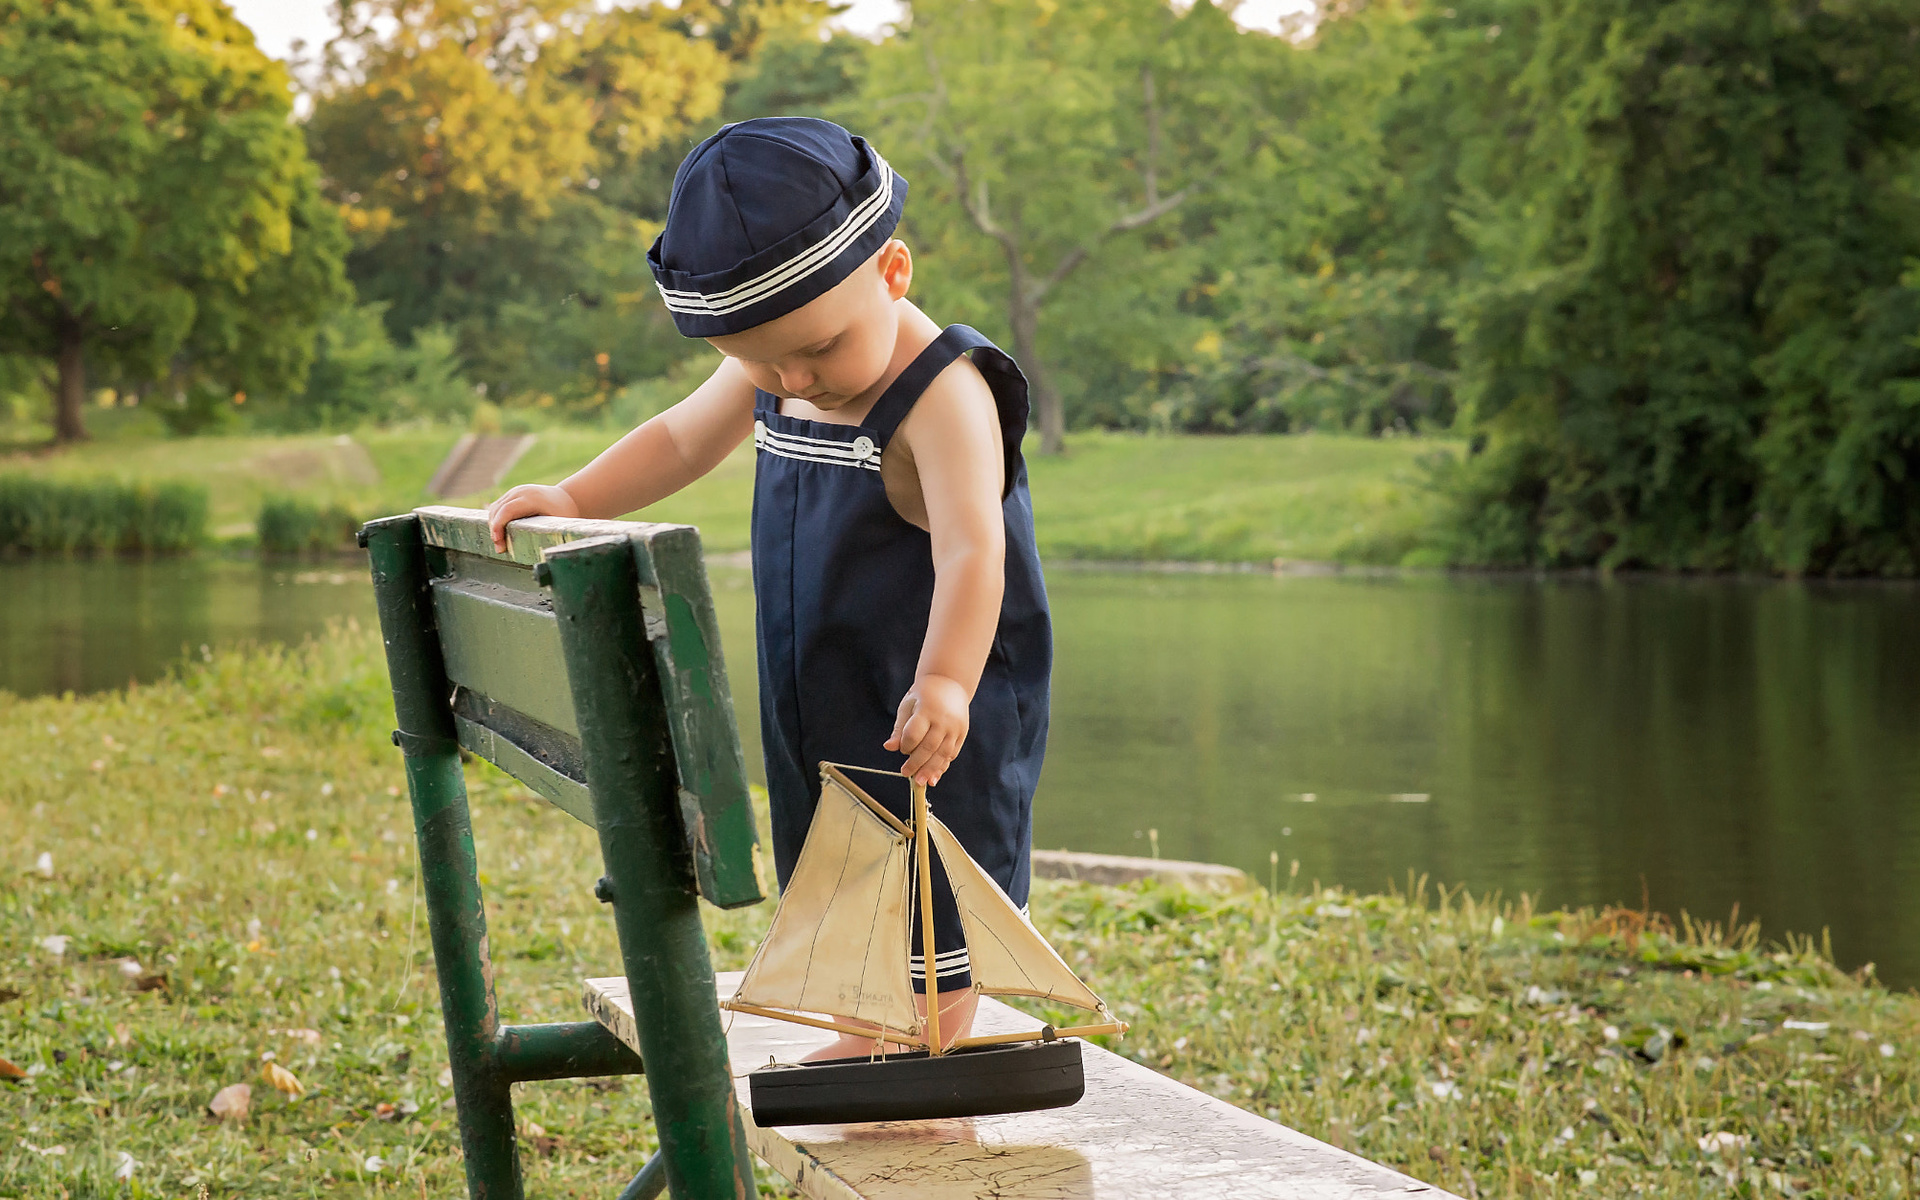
(685, 634)
(545, 759)
(505, 646)
(567, 794)
(501, 642)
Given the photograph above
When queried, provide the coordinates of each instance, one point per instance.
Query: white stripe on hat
(861, 219)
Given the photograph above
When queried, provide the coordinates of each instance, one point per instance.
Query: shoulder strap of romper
(898, 400)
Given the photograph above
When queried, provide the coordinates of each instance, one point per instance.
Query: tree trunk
(70, 395)
(1023, 316)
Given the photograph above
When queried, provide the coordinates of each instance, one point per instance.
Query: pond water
(1695, 743)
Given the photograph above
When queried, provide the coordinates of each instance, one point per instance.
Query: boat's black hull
(918, 1086)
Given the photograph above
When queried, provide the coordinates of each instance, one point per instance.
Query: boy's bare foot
(957, 1008)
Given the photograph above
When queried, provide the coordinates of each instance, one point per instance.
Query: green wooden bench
(586, 663)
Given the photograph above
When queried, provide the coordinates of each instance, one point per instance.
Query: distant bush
(99, 516)
(361, 376)
(289, 525)
(197, 410)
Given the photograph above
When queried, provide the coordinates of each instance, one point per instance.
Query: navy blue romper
(844, 587)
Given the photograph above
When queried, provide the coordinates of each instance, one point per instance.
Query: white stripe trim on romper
(861, 452)
(946, 964)
(796, 268)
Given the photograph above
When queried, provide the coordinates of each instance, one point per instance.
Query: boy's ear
(896, 268)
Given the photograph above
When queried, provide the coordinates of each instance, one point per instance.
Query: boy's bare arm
(953, 435)
(654, 461)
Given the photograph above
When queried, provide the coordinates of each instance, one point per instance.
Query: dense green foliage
(1658, 261)
(361, 376)
(159, 218)
(1682, 323)
(292, 525)
(504, 166)
(55, 516)
(257, 894)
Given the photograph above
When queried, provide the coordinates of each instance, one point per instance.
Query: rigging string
(869, 770)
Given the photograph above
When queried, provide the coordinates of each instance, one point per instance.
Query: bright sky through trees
(277, 23)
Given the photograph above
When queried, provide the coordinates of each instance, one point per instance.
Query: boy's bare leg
(957, 1008)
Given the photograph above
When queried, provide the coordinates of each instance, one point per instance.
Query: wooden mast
(923, 852)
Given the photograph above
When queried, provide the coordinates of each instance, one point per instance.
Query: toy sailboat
(836, 958)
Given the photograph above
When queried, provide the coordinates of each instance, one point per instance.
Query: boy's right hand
(527, 500)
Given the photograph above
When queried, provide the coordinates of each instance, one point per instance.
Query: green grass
(1251, 498)
(100, 515)
(1112, 496)
(236, 841)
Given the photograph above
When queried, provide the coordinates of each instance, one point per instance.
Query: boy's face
(834, 349)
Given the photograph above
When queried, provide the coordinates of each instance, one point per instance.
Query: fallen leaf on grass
(7, 994)
(282, 1079)
(542, 1141)
(150, 983)
(230, 1103)
(9, 1071)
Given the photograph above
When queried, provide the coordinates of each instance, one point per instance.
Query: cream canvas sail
(1009, 956)
(838, 944)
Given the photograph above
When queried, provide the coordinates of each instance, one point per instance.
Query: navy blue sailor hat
(766, 215)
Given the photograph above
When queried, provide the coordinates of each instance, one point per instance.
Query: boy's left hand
(930, 728)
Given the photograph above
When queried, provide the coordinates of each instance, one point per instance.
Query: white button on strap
(863, 448)
(759, 432)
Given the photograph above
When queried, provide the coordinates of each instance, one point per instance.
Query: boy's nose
(796, 382)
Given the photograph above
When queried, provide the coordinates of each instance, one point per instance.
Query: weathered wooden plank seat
(1137, 1133)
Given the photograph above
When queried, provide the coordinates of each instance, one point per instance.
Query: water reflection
(1699, 743)
(82, 626)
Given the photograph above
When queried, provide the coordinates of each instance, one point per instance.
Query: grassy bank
(100, 516)
(229, 874)
(1113, 496)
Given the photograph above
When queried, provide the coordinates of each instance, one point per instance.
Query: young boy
(901, 607)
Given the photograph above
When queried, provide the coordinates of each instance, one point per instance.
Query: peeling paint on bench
(1136, 1134)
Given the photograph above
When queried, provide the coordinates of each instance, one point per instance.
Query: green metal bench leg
(650, 1182)
(569, 1050)
(650, 882)
(456, 916)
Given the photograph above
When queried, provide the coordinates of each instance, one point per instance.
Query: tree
(1321, 303)
(157, 208)
(1685, 339)
(1064, 134)
(481, 152)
